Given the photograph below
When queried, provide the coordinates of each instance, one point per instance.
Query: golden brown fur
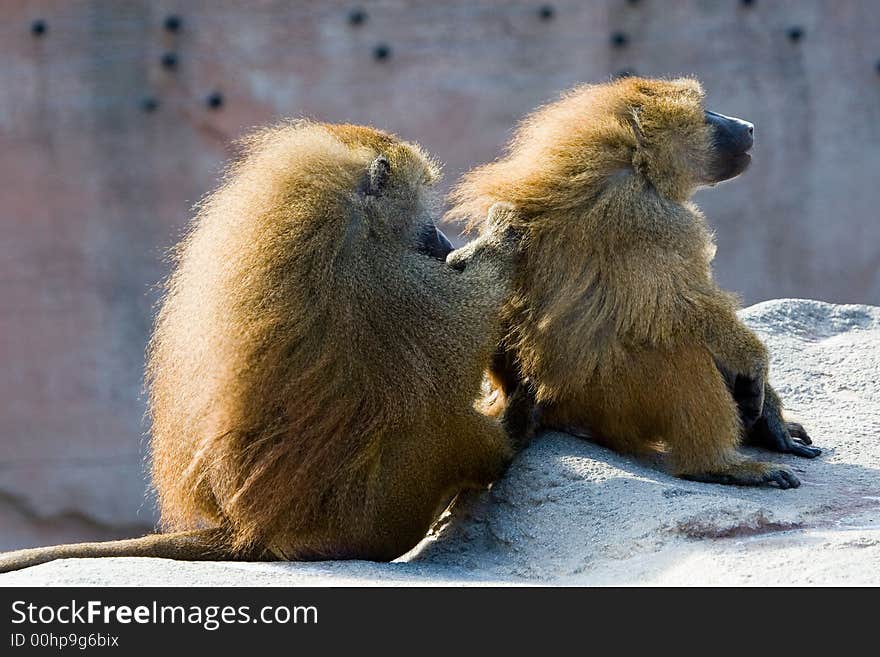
(312, 376)
(614, 313)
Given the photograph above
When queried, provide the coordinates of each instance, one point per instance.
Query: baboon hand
(460, 258)
(748, 393)
(500, 242)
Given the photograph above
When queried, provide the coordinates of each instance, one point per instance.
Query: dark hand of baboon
(760, 411)
(748, 393)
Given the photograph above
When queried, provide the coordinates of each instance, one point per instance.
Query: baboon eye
(380, 172)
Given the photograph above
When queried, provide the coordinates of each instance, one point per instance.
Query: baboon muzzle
(435, 243)
(732, 138)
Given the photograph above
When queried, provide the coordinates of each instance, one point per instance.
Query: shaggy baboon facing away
(315, 362)
(614, 314)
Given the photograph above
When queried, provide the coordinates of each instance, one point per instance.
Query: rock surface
(570, 512)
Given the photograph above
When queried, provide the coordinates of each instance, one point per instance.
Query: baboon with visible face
(315, 363)
(614, 314)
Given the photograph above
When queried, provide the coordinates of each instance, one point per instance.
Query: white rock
(570, 512)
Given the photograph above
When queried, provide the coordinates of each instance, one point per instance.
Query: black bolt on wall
(214, 100)
(795, 33)
(39, 27)
(173, 23)
(382, 51)
(546, 12)
(357, 16)
(149, 104)
(169, 61)
(619, 39)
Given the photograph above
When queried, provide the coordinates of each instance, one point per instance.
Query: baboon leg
(703, 434)
(504, 377)
(748, 393)
(772, 432)
(481, 450)
(419, 478)
(749, 473)
(519, 418)
(504, 371)
(547, 420)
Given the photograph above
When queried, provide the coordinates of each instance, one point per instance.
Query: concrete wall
(94, 187)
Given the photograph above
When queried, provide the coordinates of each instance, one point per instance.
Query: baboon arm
(734, 345)
(675, 304)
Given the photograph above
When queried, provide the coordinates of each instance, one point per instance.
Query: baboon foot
(748, 473)
(783, 437)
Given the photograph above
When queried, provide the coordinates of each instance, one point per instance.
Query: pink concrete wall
(94, 188)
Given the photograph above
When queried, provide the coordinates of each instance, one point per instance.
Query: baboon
(614, 314)
(315, 363)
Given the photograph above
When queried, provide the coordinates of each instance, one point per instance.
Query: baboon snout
(435, 244)
(731, 140)
(731, 134)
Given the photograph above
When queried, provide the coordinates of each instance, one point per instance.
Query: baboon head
(395, 188)
(679, 144)
(650, 132)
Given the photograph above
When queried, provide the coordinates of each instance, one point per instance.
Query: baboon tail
(198, 545)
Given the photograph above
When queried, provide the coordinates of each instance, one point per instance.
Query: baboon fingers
(458, 259)
(796, 429)
(800, 449)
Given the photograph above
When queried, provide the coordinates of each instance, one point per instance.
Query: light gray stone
(570, 512)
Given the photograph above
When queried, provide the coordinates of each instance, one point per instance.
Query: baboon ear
(380, 172)
(633, 118)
